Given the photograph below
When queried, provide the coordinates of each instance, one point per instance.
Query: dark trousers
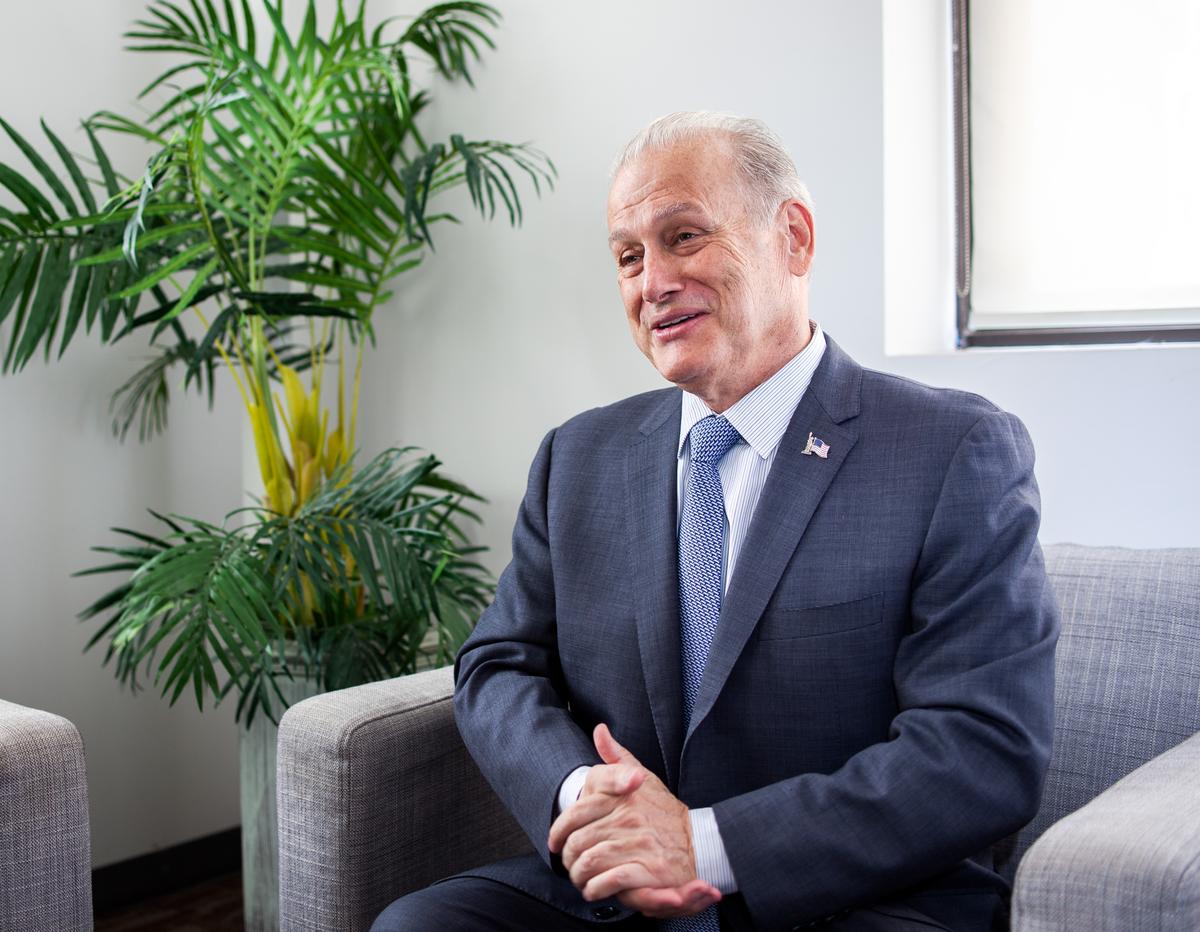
(476, 904)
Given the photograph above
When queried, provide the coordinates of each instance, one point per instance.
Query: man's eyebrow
(666, 212)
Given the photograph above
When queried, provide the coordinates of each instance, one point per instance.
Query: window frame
(967, 336)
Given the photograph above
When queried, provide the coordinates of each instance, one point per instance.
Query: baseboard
(160, 872)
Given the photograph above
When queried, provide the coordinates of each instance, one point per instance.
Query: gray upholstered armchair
(1116, 843)
(378, 797)
(45, 849)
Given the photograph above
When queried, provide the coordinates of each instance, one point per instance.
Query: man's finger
(583, 862)
(615, 780)
(655, 902)
(699, 895)
(613, 881)
(584, 811)
(608, 748)
(581, 842)
(667, 902)
(576, 816)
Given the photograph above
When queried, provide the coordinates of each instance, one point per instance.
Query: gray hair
(761, 158)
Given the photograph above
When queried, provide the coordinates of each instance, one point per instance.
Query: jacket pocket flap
(815, 620)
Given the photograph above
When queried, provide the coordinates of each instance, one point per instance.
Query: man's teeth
(677, 320)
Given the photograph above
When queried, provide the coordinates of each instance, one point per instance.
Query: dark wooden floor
(212, 906)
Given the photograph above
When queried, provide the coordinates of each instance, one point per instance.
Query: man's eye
(684, 235)
(628, 258)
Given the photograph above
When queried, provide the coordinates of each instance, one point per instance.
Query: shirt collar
(762, 415)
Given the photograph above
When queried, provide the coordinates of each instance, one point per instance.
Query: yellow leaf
(295, 395)
(308, 601)
(309, 475)
(279, 496)
(261, 448)
(322, 436)
(283, 415)
(303, 433)
(333, 452)
(312, 420)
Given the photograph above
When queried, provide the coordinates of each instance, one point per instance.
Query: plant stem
(228, 362)
(350, 443)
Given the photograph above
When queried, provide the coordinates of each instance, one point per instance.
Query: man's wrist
(712, 863)
(570, 789)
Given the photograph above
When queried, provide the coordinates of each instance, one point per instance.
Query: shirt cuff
(571, 787)
(712, 863)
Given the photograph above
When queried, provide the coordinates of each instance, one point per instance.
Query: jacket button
(605, 912)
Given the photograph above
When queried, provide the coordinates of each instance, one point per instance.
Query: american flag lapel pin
(816, 445)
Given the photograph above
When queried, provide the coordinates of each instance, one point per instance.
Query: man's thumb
(607, 747)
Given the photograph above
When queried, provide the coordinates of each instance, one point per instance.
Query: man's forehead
(660, 214)
(690, 175)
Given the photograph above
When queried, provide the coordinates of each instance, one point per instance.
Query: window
(1077, 171)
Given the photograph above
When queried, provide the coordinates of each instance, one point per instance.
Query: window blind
(1084, 163)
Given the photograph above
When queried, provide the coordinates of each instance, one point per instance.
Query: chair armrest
(1129, 859)
(45, 848)
(378, 797)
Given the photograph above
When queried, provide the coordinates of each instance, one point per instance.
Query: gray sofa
(45, 848)
(377, 795)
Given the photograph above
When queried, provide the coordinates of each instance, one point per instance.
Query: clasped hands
(628, 836)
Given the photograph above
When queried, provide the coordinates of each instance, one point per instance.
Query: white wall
(157, 776)
(506, 334)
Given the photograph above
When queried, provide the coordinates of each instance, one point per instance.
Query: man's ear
(801, 237)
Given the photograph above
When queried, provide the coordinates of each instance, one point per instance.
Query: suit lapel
(651, 468)
(789, 498)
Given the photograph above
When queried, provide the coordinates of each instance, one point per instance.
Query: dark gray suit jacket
(877, 708)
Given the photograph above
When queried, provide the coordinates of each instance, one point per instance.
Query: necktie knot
(711, 438)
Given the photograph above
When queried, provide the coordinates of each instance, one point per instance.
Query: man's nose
(660, 276)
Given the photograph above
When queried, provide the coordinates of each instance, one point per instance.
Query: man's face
(709, 288)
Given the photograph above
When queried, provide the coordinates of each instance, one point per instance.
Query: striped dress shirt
(761, 417)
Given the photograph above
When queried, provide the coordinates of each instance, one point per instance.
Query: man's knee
(471, 904)
(421, 910)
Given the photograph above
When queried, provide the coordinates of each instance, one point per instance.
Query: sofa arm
(45, 848)
(378, 797)
(1129, 859)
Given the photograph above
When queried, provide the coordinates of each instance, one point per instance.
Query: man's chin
(689, 378)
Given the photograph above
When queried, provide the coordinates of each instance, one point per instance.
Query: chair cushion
(1125, 861)
(45, 847)
(1128, 672)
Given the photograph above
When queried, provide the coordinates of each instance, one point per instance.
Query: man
(775, 647)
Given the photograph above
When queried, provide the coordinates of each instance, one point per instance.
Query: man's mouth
(674, 321)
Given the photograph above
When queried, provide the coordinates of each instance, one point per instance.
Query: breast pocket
(815, 620)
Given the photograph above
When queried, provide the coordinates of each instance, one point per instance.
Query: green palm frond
(45, 290)
(145, 396)
(311, 146)
(284, 189)
(451, 34)
(196, 34)
(355, 579)
(200, 597)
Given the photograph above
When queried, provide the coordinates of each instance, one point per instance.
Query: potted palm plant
(286, 190)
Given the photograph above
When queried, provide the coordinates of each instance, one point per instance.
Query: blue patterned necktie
(701, 549)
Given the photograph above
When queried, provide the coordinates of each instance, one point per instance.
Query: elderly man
(775, 648)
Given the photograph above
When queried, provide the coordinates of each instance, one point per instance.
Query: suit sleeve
(510, 697)
(967, 752)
